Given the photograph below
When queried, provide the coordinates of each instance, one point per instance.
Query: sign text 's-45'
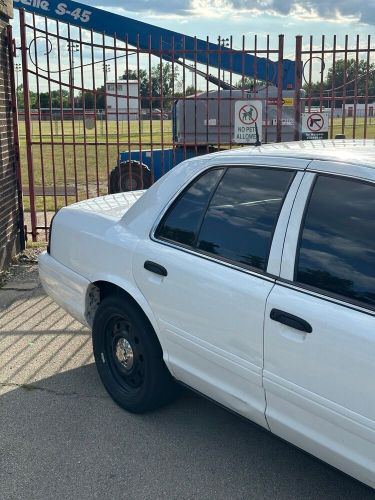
(61, 9)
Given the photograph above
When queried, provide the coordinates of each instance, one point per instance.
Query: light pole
(18, 68)
(72, 47)
(223, 42)
(106, 69)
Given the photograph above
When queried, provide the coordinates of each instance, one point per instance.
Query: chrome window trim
(212, 167)
(341, 174)
(201, 254)
(327, 296)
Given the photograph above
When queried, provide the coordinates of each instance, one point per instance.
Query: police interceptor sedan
(248, 275)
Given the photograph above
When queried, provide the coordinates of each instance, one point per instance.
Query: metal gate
(99, 114)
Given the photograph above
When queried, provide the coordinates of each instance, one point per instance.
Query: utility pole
(17, 68)
(72, 47)
(106, 69)
(223, 42)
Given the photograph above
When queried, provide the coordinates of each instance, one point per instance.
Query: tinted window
(243, 212)
(337, 250)
(182, 221)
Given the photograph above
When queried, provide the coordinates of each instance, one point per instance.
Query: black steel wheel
(129, 358)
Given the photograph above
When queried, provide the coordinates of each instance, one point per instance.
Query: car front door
(212, 249)
(320, 326)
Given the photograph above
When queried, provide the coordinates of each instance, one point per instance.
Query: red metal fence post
(297, 89)
(280, 74)
(26, 101)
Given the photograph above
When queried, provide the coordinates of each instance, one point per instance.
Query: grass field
(56, 162)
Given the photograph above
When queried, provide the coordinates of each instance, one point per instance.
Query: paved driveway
(61, 436)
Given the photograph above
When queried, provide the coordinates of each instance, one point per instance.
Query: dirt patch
(24, 268)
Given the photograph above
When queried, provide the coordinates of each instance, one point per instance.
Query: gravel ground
(24, 267)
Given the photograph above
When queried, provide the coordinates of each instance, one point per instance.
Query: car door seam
(263, 357)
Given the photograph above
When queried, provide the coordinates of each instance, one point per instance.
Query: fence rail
(96, 114)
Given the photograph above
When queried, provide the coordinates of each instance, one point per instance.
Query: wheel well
(100, 290)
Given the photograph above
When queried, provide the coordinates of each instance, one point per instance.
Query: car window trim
(222, 261)
(195, 250)
(327, 296)
(278, 239)
(293, 176)
(302, 225)
(325, 293)
(225, 170)
(186, 185)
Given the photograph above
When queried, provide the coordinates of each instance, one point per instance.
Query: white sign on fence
(288, 122)
(314, 126)
(248, 122)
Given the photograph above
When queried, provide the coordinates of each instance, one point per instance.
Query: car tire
(129, 358)
(129, 176)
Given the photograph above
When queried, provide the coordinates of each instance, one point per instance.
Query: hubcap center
(124, 354)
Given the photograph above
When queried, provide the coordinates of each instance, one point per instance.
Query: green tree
(19, 94)
(143, 81)
(163, 81)
(343, 79)
(47, 100)
(190, 90)
(246, 83)
(88, 98)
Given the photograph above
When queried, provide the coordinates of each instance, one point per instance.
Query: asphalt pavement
(62, 437)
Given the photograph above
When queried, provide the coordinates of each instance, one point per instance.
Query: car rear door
(213, 251)
(320, 325)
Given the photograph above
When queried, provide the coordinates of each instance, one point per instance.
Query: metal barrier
(97, 114)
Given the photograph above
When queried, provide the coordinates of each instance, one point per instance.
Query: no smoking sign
(248, 122)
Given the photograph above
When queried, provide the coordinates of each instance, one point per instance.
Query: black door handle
(155, 268)
(290, 320)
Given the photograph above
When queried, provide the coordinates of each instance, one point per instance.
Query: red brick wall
(9, 213)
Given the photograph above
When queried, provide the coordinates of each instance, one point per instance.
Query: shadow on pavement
(63, 437)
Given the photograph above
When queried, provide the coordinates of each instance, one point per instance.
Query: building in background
(122, 100)
(359, 109)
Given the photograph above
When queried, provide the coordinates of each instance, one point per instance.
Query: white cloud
(342, 11)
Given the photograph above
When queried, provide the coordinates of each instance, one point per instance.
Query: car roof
(358, 152)
(296, 155)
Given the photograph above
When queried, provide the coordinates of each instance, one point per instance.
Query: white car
(248, 275)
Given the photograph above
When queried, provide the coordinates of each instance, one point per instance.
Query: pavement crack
(33, 387)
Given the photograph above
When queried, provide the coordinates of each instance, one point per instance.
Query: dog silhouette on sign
(247, 115)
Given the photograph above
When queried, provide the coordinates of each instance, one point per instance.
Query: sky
(236, 18)
(224, 18)
(247, 17)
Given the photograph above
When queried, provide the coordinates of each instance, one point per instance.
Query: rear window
(230, 213)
